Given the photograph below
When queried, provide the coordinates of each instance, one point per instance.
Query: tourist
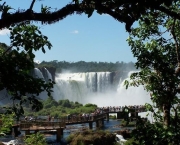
(49, 118)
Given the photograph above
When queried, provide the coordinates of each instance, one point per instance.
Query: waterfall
(96, 88)
(48, 75)
(92, 87)
(45, 75)
(77, 86)
(103, 81)
(5, 98)
(38, 74)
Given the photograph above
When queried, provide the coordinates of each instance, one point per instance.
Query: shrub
(35, 139)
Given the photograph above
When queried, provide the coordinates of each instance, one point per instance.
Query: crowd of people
(102, 110)
(97, 111)
(137, 108)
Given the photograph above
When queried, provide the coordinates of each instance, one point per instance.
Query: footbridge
(100, 114)
(57, 124)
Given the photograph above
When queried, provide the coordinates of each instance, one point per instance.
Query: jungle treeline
(82, 66)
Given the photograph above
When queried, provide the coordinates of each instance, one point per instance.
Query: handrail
(61, 122)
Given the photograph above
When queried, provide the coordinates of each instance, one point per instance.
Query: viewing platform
(60, 124)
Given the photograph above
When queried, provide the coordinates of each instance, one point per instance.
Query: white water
(38, 74)
(95, 88)
(79, 87)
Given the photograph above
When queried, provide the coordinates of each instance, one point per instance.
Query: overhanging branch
(123, 15)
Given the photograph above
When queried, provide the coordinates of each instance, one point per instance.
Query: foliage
(155, 43)
(125, 123)
(17, 62)
(112, 116)
(123, 11)
(90, 105)
(131, 141)
(62, 108)
(91, 137)
(35, 139)
(82, 66)
(155, 134)
(6, 122)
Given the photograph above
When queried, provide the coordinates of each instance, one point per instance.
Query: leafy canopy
(126, 11)
(155, 43)
(17, 62)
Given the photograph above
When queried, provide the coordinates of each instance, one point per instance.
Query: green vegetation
(125, 123)
(155, 43)
(92, 137)
(112, 116)
(131, 141)
(35, 139)
(17, 62)
(6, 122)
(61, 108)
(82, 66)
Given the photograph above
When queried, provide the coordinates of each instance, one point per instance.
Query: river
(111, 125)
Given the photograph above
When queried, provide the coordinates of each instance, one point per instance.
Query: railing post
(90, 125)
(58, 134)
(97, 123)
(107, 116)
(102, 121)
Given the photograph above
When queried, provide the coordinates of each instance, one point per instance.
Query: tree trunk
(166, 117)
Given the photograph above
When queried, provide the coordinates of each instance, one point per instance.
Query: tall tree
(17, 62)
(156, 44)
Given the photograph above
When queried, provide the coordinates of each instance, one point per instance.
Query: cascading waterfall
(103, 81)
(38, 74)
(78, 86)
(96, 88)
(92, 87)
(45, 75)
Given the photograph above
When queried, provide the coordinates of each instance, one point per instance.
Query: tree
(127, 11)
(17, 62)
(156, 45)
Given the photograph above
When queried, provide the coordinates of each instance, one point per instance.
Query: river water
(111, 125)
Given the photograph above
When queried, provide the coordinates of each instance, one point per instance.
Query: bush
(90, 105)
(35, 139)
(131, 141)
(112, 116)
(91, 137)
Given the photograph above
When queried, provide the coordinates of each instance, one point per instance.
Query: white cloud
(37, 61)
(4, 32)
(75, 32)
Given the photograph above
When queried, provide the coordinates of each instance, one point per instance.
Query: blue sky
(79, 38)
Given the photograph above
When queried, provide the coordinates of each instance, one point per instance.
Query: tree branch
(176, 42)
(126, 11)
(168, 12)
(41, 17)
(53, 17)
(32, 4)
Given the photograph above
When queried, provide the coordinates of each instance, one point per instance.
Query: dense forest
(82, 66)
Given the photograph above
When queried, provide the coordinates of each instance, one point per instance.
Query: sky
(99, 38)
